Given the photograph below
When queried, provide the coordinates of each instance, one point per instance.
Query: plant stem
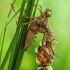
(17, 51)
(2, 39)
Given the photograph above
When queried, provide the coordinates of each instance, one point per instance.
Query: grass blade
(16, 57)
(5, 33)
(20, 52)
(17, 44)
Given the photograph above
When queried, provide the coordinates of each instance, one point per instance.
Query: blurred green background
(60, 23)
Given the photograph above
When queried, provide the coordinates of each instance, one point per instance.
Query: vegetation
(15, 50)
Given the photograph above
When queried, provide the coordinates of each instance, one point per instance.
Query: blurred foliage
(59, 22)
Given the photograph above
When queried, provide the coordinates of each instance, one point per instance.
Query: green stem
(18, 52)
(2, 43)
(15, 49)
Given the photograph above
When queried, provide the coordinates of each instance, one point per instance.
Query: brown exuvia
(38, 24)
(44, 53)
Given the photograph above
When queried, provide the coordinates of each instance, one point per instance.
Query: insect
(45, 54)
(36, 25)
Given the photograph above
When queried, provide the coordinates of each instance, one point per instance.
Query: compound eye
(49, 13)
